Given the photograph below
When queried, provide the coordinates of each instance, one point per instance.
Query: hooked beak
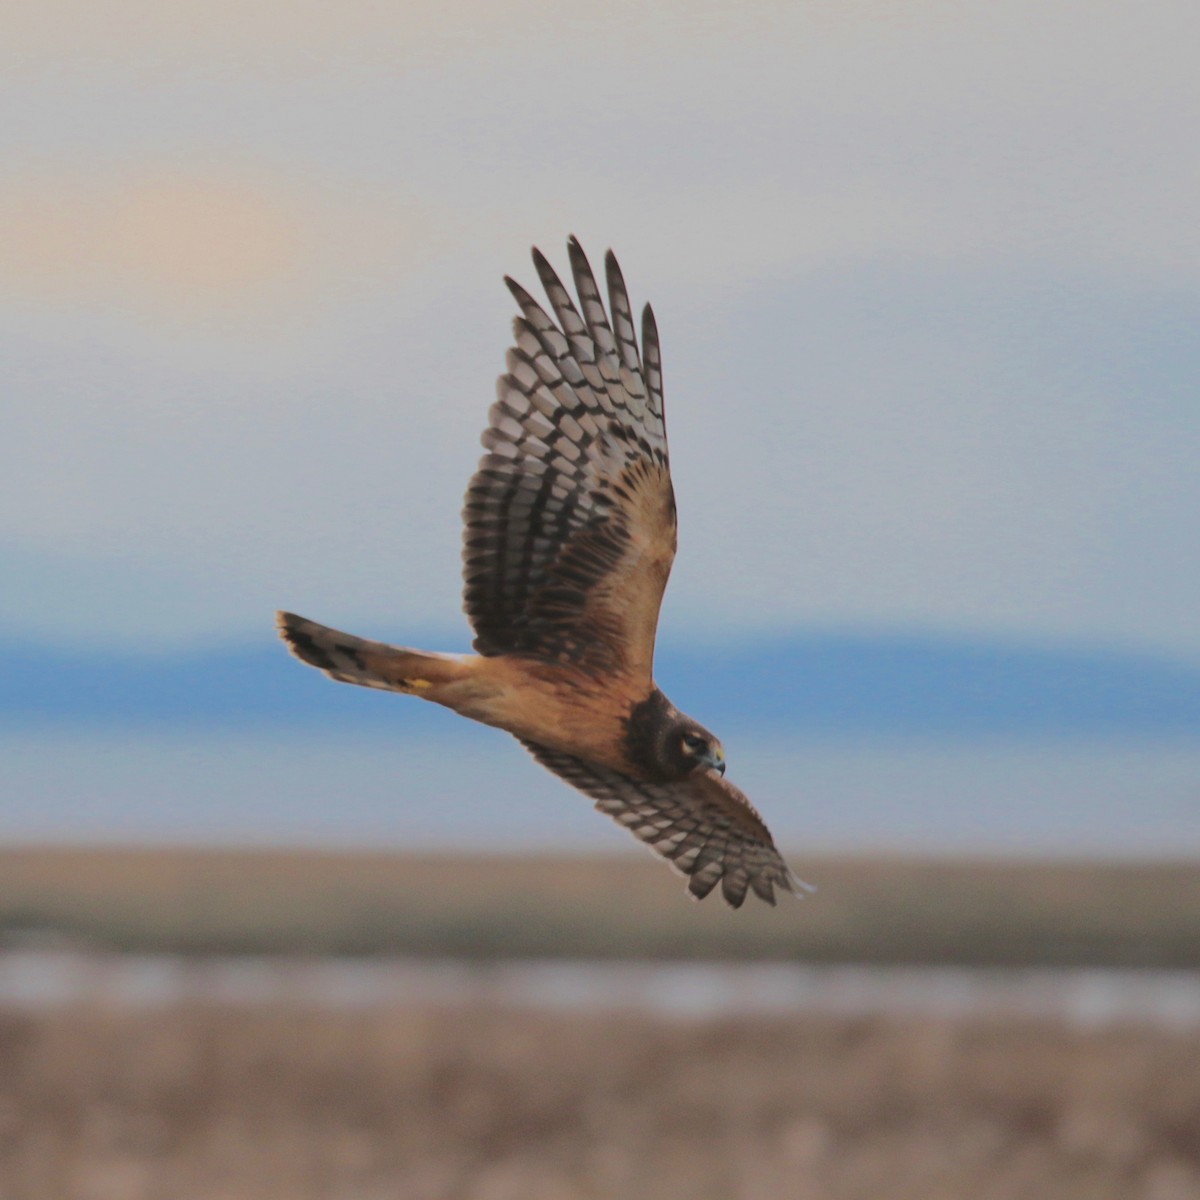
(716, 759)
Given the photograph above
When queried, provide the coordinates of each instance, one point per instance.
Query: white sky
(927, 276)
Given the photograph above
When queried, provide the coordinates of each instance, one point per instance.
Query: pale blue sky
(927, 276)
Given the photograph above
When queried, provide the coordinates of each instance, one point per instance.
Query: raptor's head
(698, 749)
(666, 744)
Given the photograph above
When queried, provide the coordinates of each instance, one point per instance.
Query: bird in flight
(569, 538)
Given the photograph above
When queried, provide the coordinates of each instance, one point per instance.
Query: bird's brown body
(569, 540)
(557, 704)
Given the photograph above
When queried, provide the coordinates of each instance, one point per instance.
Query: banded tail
(350, 659)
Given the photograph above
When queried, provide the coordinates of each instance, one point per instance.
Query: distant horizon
(455, 635)
(859, 682)
(849, 743)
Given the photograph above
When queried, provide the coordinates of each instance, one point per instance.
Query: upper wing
(703, 826)
(570, 518)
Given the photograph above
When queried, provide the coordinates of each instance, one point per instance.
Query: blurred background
(926, 276)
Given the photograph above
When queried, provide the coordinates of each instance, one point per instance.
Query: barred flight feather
(570, 519)
(703, 826)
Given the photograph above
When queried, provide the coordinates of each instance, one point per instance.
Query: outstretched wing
(703, 826)
(570, 519)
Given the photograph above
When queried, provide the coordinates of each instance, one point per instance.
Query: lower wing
(704, 827)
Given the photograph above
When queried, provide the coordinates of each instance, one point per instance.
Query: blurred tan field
(873, 910)
(212, 1103)
(183, 1093)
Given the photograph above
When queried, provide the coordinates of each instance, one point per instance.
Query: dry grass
(206, 1103)
(867, 910)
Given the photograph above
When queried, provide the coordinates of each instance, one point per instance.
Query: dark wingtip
(579, 260)
(650, 342)
(300, 642)
(520, 295)
(614, 275)
(546, 273)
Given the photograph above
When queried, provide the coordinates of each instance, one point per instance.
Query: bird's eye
(693, 743)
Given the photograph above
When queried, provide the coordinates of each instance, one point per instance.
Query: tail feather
(350, 659)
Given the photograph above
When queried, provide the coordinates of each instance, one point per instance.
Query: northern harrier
(570, 535)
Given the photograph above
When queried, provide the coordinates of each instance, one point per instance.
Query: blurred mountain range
(806, 683)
